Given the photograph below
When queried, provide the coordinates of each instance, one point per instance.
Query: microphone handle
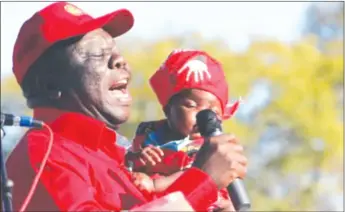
(238, 195)
(236, 189)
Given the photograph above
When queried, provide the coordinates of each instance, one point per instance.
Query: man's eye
(99, 53)
(96, 54)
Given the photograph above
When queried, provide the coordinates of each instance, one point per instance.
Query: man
(75, 80)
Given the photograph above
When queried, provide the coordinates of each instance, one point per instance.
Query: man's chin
(115, 119)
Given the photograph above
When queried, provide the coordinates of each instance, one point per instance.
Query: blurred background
(286, 61)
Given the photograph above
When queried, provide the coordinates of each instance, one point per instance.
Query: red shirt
(85, 171)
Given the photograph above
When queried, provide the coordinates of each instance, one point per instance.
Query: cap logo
(71, 9)
(175, 51)
(196, 68)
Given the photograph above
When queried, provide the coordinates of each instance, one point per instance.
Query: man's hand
(224, 205)
(221, 157)
(151, 155)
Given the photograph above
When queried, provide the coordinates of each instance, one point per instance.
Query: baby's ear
(230, 109)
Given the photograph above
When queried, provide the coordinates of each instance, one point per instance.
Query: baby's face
(183, 109)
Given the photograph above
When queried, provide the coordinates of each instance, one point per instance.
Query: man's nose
(117, 62)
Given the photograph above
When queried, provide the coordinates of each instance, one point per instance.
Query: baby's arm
(155, 184)
(159, 184)
(162, 183)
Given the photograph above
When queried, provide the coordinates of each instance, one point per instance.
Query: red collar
(84, 130)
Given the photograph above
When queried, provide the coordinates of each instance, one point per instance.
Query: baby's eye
(189, 104)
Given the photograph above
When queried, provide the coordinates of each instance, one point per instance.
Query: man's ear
(54, 94)
(52, 86)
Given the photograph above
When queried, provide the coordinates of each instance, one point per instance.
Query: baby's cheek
(189, 122)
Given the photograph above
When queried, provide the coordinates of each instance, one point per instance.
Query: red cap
(188, 69)
(57, 22)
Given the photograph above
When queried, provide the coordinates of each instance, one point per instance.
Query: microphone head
(208, 122)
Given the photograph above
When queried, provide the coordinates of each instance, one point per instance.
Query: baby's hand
(143, 182)
(151, 155)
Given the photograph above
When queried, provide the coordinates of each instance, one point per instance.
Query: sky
(236, 22)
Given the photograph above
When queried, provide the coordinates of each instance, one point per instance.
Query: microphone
(209, 125)
(21, 121)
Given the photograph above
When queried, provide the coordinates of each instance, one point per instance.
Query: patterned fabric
(178, 154)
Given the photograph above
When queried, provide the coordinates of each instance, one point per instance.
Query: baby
(188, 81)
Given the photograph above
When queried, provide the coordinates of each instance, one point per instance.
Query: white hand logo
(173, 53)
(197, 68)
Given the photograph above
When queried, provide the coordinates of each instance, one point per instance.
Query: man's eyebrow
(84, 52)
(108, 41)
(100, 39)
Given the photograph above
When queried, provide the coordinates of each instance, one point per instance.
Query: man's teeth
(120, 85)
(123, 81)
(123, 92)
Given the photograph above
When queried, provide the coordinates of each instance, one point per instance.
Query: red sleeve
(199, 189)
(66, 179)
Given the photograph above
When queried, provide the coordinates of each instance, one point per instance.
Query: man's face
(183, 109)
(102, 78)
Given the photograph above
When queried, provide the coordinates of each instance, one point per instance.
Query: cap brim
(115, 23)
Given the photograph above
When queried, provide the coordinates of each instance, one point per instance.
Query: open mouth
(119, 90)
(119, 86)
